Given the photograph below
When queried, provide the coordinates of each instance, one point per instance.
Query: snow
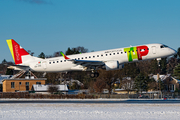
(44, 88)
(72, 111)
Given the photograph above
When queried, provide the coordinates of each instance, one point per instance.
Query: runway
(88, 109)
(89, 101)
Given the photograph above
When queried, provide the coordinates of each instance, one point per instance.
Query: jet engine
(113, 65)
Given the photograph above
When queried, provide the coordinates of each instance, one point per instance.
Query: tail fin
(19, 54)
(65, 57)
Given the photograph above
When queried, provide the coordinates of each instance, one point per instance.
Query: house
(4, 77)
(15, 83)
(37, 88)
(71, 82)
(171, 83)
(120, 83)
(21, 84)
(123, 91)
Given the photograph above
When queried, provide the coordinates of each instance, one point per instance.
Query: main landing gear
(94, 74)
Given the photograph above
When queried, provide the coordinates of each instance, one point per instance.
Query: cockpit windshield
(163, 46)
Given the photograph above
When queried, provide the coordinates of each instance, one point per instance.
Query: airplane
(112, 59)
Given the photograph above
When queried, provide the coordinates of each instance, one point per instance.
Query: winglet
(65, 57)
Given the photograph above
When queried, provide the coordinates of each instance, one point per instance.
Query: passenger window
(89, 56)
(97, 55)
(93, 56)
(64, 60)
(49, 62)
(117, 52)
(85, 57)
(114, 53)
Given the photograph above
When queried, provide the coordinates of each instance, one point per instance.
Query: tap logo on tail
(16, 51)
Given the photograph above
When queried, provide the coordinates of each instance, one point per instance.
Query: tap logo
(136, 52)
(17, 51)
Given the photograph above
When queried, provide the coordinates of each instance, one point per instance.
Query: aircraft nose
(173, 51)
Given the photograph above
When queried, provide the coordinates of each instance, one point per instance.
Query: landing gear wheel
(93, 75)
(96, 74)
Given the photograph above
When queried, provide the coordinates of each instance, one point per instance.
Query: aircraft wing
(87, 62)
(84, 63)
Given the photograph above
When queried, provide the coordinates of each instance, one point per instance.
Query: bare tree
(127, 84)
(99, 85)
(30, 52)
(109, 77)
(57, 54)
(53, 78)
(52, 89)
(81, 49)
(172, 62)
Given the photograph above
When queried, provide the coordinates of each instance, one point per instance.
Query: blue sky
(54, 25)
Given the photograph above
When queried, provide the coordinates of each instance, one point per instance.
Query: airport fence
(154, 95)
(157, 95)
(28, 95)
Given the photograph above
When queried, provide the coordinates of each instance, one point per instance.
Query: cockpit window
(163, 46)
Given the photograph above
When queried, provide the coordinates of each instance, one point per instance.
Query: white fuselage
(59, 64)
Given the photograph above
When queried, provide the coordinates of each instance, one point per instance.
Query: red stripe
(18, 52)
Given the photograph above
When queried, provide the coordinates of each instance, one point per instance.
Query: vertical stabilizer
(16, 51)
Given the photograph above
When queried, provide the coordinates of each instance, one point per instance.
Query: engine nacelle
(121, 66)
(113, 65)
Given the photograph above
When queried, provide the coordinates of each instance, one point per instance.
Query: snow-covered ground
(72, 111)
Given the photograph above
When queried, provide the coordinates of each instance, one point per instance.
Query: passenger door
(44, 64)
(154, 49)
